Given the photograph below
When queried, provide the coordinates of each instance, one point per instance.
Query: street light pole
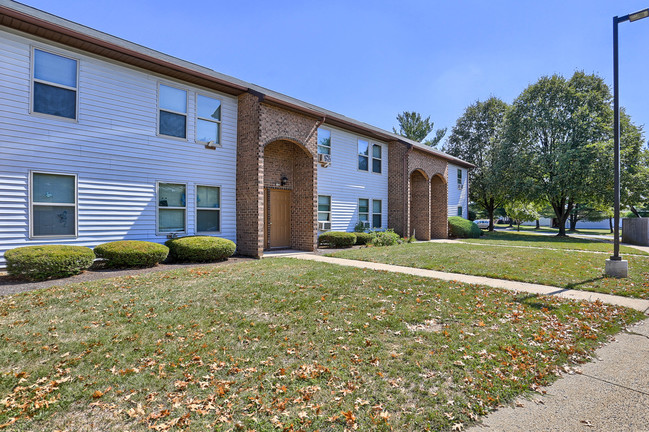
(616, 266)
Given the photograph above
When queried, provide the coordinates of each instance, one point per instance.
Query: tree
(477, 138)
(521, 212)
(634, 161)
(557, 131)
(416, 128)
(586, 212)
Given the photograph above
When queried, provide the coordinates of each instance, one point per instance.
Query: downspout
(406, 194)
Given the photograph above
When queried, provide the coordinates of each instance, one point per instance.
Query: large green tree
(557, 132)
(477, 138)
(634, 160)
(413, 126)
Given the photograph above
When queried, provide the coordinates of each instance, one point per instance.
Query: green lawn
(568, 269)
(589, 231)
(535, 240)
(281, 344)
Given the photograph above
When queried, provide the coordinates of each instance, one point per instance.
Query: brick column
(398, 191)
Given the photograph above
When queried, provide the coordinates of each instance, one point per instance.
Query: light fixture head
(284, 180)
(639, 15)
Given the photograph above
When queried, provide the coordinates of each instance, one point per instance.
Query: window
(172, 206)
(54, 89)
(376, 158)
(459, 178)
(173, 112)
(208, 122)
(324, 208)
(208, 209)
(53, 205)
(324, 141)
(376, 213)
(364, 210)
(363, 155)
(459, 210)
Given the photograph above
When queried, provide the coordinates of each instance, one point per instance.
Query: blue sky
(371, 60)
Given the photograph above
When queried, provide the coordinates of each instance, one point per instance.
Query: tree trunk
(538, 224)
(610, 224)
(573, 223)
(490, 212)
(518, 227)
(635, 211)
(562, 212)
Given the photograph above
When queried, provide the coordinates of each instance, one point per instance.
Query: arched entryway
(438, 208)
(419, 205)
(289, 216)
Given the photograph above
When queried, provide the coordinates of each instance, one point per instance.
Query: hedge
(337, 239)
(48, 262)
(463, 228)
(363, 238)
(200, 249)
(386, 238)
(131, 253)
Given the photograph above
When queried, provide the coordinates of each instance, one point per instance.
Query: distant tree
(416, 128)
(586, 212)
(556, 133)
(521, 212)
(477, 138)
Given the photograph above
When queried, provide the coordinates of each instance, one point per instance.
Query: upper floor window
(53, 205)
(363, 155)
(324, 141)
(376, 158)
(54, 85)
(208, 122)
(208, 209)
(173, 112)
(459, 178)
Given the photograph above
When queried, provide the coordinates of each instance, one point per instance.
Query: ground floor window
(364, 211)
(377, 213)
(172, 207)
(459, 210)
(208, 209)
(324, 212)
(53, 205)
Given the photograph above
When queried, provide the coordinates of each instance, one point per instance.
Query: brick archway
(419, 205)
(288, 169)
(438, 207)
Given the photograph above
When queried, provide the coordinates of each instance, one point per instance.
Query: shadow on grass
(529, 300)
(514, 237)
(575, 285)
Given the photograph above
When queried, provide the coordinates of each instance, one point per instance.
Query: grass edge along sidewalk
(282, 344)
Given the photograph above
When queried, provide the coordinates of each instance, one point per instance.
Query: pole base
(617, 268)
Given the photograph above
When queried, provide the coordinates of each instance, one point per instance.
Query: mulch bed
(11, 285)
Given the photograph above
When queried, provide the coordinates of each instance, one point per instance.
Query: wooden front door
(280, 218)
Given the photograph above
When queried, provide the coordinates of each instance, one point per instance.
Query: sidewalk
(637, 304)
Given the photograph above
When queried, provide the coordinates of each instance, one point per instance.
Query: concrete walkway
(637, 304)
(609, 394)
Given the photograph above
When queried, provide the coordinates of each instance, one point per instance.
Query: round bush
(200, 249)
(337, 239)
(363, 238)
(386, 238)
(48, 262)
(132, 253)
(463, 228)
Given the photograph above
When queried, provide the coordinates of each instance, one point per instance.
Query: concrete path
(609, 394)
(638, 304)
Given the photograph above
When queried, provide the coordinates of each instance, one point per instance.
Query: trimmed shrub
(337, 239)
(132, 253)
(463, 228)
(200, 249)
(48, 262)
(364, 238)
(386, 238)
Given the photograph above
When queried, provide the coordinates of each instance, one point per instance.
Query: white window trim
(329, 212)
(186, 114)
(75, 205)
(373, 214)
(197, 209)
(32, 80)
(369, 156)
(318, 145)
(206, 119)
(372, 158)
(158, 207)
(369, 210)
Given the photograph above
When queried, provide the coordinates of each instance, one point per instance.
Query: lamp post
(616, 266)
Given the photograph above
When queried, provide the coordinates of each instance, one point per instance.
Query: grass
(281, 344)
(586, 231)
(574, 270)
(534, 240)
